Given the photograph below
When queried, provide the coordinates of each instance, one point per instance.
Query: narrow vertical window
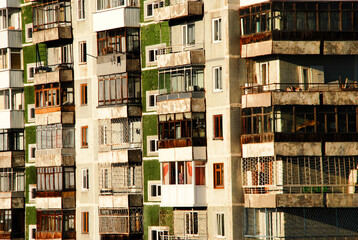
(218, 175)
(81, 9)
(85, 222)
(84, 137)
(264, 73)
(220, 225)
(218, 127)
(84, 94)
(216, 28)
(83, 52)
(217, 75)
(85, 180)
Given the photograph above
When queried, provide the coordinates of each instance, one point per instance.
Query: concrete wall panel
(340, 48)
(298, 148)
(258, 149)
(340, 98)
(341, 148)
(295, 98)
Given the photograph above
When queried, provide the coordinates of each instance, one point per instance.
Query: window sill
(82, 63)
(219, 187)
(218, 138)
(84, 147)
(218, 41)
(218, 90)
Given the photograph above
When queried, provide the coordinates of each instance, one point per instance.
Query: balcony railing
(53, 68)
(121, 221)
(176, 237)
(300, 87)
(180, 48)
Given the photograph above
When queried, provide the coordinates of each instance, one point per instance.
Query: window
(48, 95)
(119, 88)
(264, 74)
(56, 221)
(105, 178)
(84, 137)
(81, 9)
(118, 41)
(55, 178)
(85, 179)
(5, 220)
(54, 136)
(217, 75)
(191, 223)
(189, 34)
(158, 233)
(15, 59)
(32, 192)
(218, 175)
(152, 145)
(131, 175)
(32, 151)
(218, 127)
(83, 52)
(154, 190)
(149, 8)
(28, 32)
(11, 140)
(3, 59)
(152, 55)
(151, 100)
(84, 94)
(85, 219)
(181, 172)
(105, 4)
(11, 180)
(31, 112)
(220, 225)
(216, 30)
(32, 232)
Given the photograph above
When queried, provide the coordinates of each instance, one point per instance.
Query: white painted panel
(55, 203)
(115, 18)
(200, 195)
(10, 3)
(183, 153)
(244, 3)
(167, 154)
(10, 38)
(183, 195)
(258, 149)
(5, 203)
(4, 36)
(113, 201)
(199, 153)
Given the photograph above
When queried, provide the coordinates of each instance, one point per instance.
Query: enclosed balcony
(11, 159)
(11, 78)
(12, 188)
(55, 145)
(299, 28)
(56, 225)
(179, 9)
(54, 103)
(12, 224)
(51, 21)
(10, 25)
(181, 55)
(116, 14)
(10, 4)
(123, 223)
(183, 184)
(11, 140)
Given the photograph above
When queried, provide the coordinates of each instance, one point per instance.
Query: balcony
(55, 157)
(10, 4)
(120, 201)
(175, 56)
(179, 9)
(12, 200)
(12, 159)
(183, 196)
(53, 115)
(10, 38)
(11, 119)
(113, 18)
(55, 199)
(11, 79)
(116, 63)
(181, 102)
(62, 224)
(119, 156)
(53, 74)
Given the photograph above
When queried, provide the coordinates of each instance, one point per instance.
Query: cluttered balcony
(180, 55)
(53, 73)
(298, 28)
(51, 20)
(178, 9)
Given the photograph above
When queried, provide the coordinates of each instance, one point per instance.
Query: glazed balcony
(62, 224)
(181, 55)
(11, 119)
(179, 9)
(13, 226)
(11, 38)
(296, 28)
(125, 13)
(53, 74)
(51, 21)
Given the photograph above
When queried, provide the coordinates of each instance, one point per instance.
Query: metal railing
(300, 87)
(180, 48)
(53, 68)
(174, 237)
(173, 2)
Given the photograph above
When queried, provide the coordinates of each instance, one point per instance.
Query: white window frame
(27, 27)
(29, 107)
(108, 170)
(154, 93)
(217, 79)
(31, 229)
(304, 85)
(266, 80)
(81, 9)
(220, 225)
(157, 184)
(29, 149)
(217, 34)
(85, 179)
(185, 35)
(33, 66)
(155, 4)
(82, 52)
(131, 178)
(191, 222)
(32, 187)
(158, 230)
(156, 48)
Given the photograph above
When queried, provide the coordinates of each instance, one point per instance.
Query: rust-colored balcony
(298, 28)
(179, 9)
(56, 224)
(51, 21)
(53, 74)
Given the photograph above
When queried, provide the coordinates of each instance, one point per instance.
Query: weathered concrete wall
(178, 10)
(69, 200)
(181, 58)
(12, 159)
(120, 156)
(113, 201)
(52, 34)
(342, 200)
(340, 48)
(54, 118)
(49, 203)
(116, 63)
(63, 75)
(341, 148)
(258, 149)
(55, 157)
(298, 148)
(119, 112)
(295, 98)
(256, 100)
(181, 106)
(18, 202)
(340, 98)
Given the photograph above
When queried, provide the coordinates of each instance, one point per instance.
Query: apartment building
(12, 154)
(299, 158)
